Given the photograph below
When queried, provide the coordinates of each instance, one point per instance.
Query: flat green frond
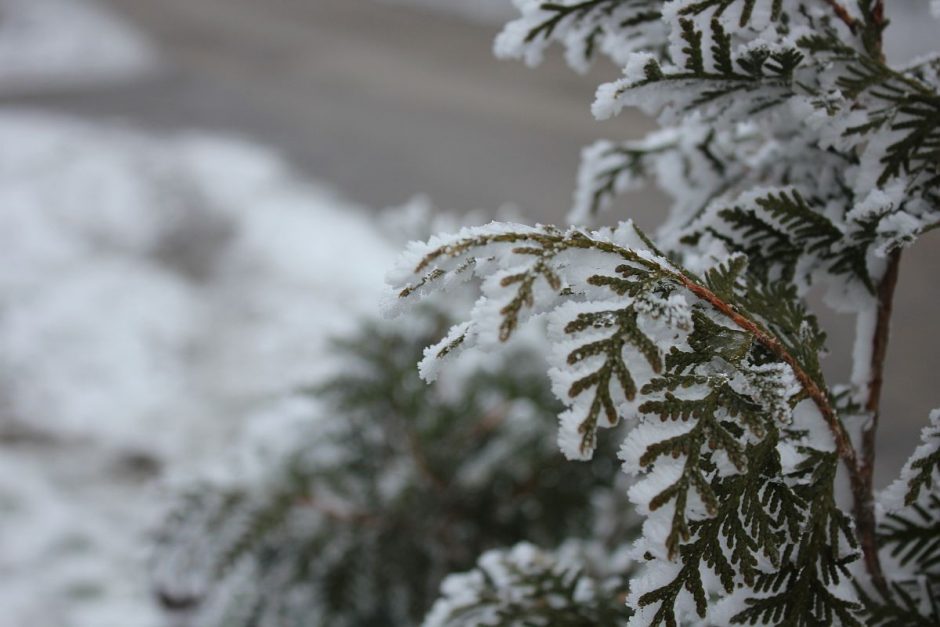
(913, 537)
(900, 606)
(802, 591)
(750, 525)
(782, 228)
(626, 335)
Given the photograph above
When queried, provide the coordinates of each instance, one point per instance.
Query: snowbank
(154, 294)
(55, 43)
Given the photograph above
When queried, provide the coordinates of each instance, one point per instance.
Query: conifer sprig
(655, 269)
(561, 587)
(726, 393)
(795, 156)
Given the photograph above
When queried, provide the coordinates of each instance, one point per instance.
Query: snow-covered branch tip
(691, 360)
(796, 158)
(517, 262)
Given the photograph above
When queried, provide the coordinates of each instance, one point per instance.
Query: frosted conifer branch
(577, 584)
(908, 537)
(697, 411)
(795, 156)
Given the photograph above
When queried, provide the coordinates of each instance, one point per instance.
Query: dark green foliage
(780, 229)
(837, 168)
(901, 606)
(801, 592)
(909, 533)
(786, 316)
(749, 353)
(750, 522)
(799, 526)
(626, 335)
(629, 163)
(925, 470)
(525, 282)
(793, 522)
(730, 72)
(913, 537)
(718, 7)
(906, 104)
(917, 152)
(584, 24)
(546, 592)
(401, 485)
(575, 12)
(694, 61)
(717, 372)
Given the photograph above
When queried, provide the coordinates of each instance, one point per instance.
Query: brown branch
(844, 448)
(860, 479)
(843, 14)
(879, 23)
(864, 508)
(337, 514)
(863, 494)
(860, 471)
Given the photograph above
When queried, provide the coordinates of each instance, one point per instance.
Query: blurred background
(192, 199)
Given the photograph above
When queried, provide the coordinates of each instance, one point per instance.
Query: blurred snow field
(65, 43)
(156, 294)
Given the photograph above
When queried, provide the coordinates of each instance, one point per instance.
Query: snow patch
(155, 293)
(55, 43)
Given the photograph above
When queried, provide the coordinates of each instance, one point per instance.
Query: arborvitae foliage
(796, 156)
(389, 486)
(909, 534)
(575, 586)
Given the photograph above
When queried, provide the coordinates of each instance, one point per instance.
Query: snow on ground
(155, 295)
(55, 43)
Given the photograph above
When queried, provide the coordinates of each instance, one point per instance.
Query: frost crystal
(795, 156)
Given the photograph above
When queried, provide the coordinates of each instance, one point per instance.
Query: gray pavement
(383, 101)
(380, 100)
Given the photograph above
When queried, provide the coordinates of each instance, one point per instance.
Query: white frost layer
(153, 294)
(48, 43)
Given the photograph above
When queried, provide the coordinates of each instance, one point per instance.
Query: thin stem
(878, 23)
(864, 508)
(863, 494)
(844, 447)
